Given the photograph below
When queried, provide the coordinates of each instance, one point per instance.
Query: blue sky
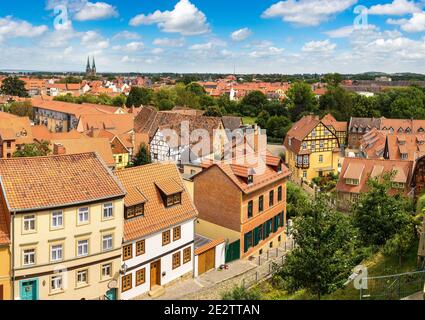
(255, 36)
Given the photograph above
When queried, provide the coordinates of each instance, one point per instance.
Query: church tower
(88, 68)
(93, 69)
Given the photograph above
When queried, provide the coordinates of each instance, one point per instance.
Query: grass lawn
(378, 265)
(249, 120)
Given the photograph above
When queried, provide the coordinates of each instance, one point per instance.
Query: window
(82, 248)
(141, 277)
(107, 270)
(177, 233)
(140, 248)
(321, 159)
(82, 277)
(56, 283)
(8, 144)
(174, 200)
(107, 242)
(353, 182)
(29, 257)
(187, 255)
(304, 145)
(404, 156)
(56, 252)
(271, 198)
(176, 260)
(305, 174)
(126, 282)
(29, 223)
(279, 194)
(108, 211)
(321, 144)
(135, 211)
(83, 215)
(166, 238)
(250, 209)
(261, 204)
(249, 241)
(250, 179)
(127, 252)
(57, 219)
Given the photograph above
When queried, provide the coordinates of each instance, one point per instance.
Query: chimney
(58, 149)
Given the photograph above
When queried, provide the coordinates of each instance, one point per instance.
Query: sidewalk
(210, 285)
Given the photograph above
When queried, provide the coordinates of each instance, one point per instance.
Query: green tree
(278, 126)
(333, 79)
(301, 100)
(196, 89)
(186, 98)
(164, 99)
(142, 157)
(297, 200)
(213, 112)
(33, 150)
(402, 242)
(324, 256)
(241, 293)
(139, 97)
(21, 109)
(119, 101)
(378, 215)
(13, 86)
(262, 119)
(338, 101)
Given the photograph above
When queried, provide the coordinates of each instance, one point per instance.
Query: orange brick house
(244, 204)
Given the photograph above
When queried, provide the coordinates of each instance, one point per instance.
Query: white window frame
(56, 283)
(85, 245)
(58, 250)
(56, 216)
(83, 213)
(108, 241)
(80, 274)
(28, 220)
(26, 254)
(108, 211)
(105, 267)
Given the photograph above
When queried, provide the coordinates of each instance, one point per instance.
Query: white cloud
(93, 40)
(307, 12)
(415, 24)
(166, 42)
(347, 31)
(395, 8)
(185, 19)
(157, 51)
(241, 34)
(126, 35)
(208, 46)
(319, 46)
(131, 47)
(268, 52)
(13, 28)
(96, 11)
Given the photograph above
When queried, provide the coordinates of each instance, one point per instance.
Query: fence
(394, 287)
(267, 263)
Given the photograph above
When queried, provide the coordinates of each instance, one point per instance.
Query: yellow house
(5, 286)
(120, 152)
(67, 227)
(312, 149)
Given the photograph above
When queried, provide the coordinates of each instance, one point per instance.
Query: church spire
(88, 65)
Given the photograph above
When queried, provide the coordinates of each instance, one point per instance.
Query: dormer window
(174, 200)
(352, 182)
(421, 130)
(250, 179)
(135, 211)
(404, 156)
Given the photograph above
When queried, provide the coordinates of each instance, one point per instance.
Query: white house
(159, 226)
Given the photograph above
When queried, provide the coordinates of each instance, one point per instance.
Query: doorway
(155, 273)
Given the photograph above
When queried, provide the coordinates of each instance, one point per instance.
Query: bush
(241, 293)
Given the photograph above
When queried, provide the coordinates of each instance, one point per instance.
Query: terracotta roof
(354, 171)
(299, 131)
(73, 108)
(15, 128)
(114, 123)
(99, 145)
(339, 126)
(56, 181)
(374, 168)
(169, 186)
(142, 185)
(209, 246)
(41, 132)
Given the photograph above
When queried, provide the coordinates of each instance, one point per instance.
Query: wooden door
(206, 261)
(1, 292)
(155, 273)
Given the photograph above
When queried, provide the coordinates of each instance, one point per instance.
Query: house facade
(158, 246)
(14, 132)
(5, 256)
(248, 209)
(66, 237)
(312, 149)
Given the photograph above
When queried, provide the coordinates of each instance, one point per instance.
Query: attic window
(408, 130)
(134, 211)
(250, 179)
(173, 200)
(404, 156)
(421, 129)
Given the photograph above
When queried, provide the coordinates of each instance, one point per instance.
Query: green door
(112, 294)
(29, 289)
(233, 251)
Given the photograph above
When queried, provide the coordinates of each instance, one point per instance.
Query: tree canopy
(13, 86)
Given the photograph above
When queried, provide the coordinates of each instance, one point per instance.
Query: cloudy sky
(254, 36)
